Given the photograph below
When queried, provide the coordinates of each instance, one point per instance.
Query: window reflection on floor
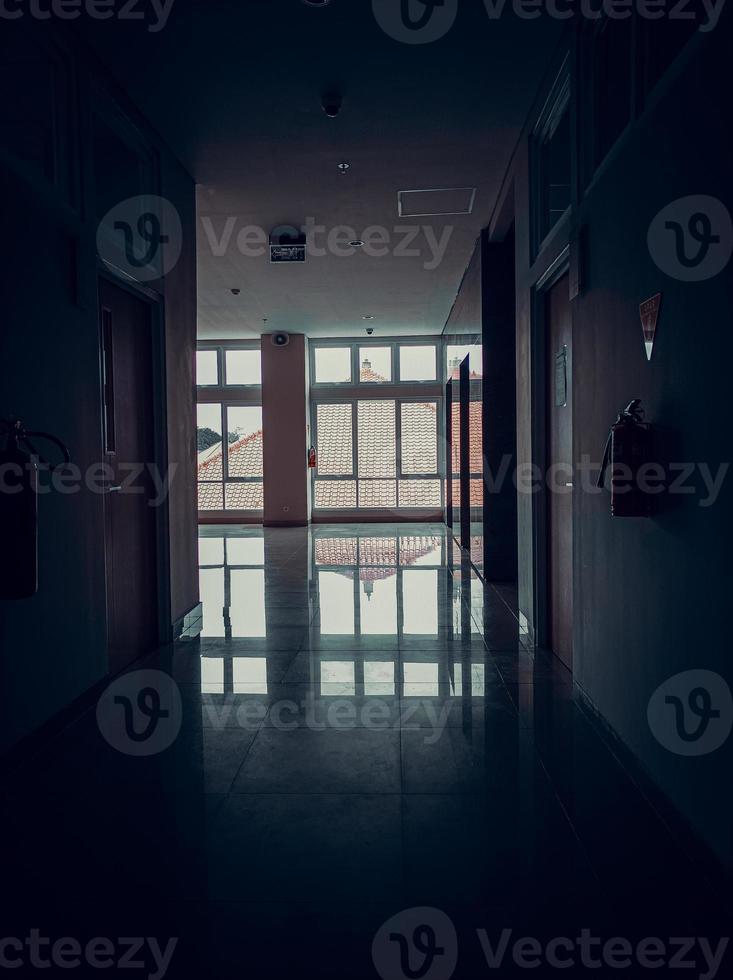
(371, 616)
(378, 585)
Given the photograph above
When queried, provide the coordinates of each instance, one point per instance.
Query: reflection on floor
(363, 730)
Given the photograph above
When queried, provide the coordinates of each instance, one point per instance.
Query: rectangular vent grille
(436, 201)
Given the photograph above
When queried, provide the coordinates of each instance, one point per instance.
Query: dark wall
(648, 593)
(54, 645)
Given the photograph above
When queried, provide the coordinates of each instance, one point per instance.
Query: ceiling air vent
(436, 201)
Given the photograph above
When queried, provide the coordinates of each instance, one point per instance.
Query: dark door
(559, 460)
(129, 424)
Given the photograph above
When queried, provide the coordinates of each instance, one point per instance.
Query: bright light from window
(333, 365)
(417, 364)
(375, 364)
(243, 367)
(207, 367)
(455, 353)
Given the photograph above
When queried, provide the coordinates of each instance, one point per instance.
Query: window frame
(226, 397)
(400, 475)
(356, 346)
(558, 102)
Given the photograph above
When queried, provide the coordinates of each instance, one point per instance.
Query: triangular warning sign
(649, 312)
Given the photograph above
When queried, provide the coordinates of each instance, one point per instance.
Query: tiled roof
(377, 557)
(245, 460)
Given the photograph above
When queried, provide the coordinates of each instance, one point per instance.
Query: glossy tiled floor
(362, 732)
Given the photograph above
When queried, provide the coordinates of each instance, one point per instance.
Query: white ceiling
(236, 89)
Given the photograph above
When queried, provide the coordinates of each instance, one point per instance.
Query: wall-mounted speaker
(280, 339)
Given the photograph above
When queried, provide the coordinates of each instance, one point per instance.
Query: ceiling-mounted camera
(370, 330)
(331, 103)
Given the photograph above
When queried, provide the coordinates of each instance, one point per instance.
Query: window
(243, 367)
(333, 365)
(389, 445)
(207, 368)
(376, 453)
(551, 161)
(230, 479)
(417, 363)
(375, 364)
(455, 353)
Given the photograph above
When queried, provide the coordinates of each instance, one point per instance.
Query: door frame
(156, 306)
(559, 267)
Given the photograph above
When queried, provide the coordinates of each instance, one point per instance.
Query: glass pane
(475, 436)
(377, 493)
(243, 367)
(244, 426)
(420, 601)
(378, 603)
(455, 353)
(244, 496)
(207, 367)
(420, 493)
(375, 364)
(339, 494)
(336, 599)
(419, 437)
(211, 496)
(377, 439)
(335, 440)
(211, 551)
(208, 442)
(333, 365)
(476, 491)
(417, 364)
(247, 611)
(245, 551)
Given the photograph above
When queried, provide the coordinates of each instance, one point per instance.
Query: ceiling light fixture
(367, 316)
(316, 3)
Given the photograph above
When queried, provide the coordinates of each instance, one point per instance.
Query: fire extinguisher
(19, 508)
(312, 458)
(627, 450)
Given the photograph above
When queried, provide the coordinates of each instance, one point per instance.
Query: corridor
(362, 732)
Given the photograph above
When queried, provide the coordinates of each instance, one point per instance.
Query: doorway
(131, 556)
(559, 442)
